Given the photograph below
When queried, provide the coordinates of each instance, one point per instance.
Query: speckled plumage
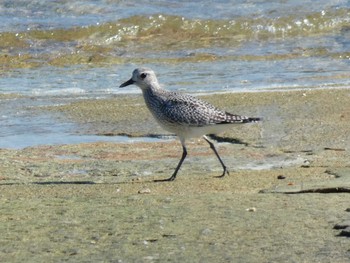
(183, 114)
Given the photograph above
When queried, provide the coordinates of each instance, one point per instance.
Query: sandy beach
(286, 198)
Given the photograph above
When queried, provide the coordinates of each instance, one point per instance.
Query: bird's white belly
(187, 132)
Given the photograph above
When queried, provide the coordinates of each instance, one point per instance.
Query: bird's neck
(152, 90)
(153, 97)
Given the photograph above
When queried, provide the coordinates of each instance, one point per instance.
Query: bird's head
(143, 78)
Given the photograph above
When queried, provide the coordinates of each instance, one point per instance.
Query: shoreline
(128, 115)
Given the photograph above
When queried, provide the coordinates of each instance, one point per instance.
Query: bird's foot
(223, 174)
(172, 178)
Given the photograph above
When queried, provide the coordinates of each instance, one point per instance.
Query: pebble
(251, 209)
(144, 191)
(136, 179)
(306, 164)
(206, 231)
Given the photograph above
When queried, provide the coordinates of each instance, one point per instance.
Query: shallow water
(58, 52)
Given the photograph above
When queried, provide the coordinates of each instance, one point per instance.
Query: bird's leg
(172, 178)
(217, 155)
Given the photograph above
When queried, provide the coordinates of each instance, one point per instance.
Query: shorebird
(183, 114)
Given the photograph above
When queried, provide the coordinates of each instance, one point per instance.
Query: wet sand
(98, 202)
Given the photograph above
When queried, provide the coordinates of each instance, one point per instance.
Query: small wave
(148, 39)
(205, 31)
(184, 31)
(53, 92)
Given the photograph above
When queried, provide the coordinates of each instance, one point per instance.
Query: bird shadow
(227, 139)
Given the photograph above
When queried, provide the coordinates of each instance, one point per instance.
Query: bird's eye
(143, 75)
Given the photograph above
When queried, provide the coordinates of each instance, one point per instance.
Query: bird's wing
(188, 110)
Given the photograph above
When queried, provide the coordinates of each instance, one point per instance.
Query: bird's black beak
(127, 83)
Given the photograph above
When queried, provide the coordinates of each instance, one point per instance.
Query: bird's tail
(233, 118)
(230, 118)
(252, 119)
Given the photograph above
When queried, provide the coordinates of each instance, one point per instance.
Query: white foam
(52, 92)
